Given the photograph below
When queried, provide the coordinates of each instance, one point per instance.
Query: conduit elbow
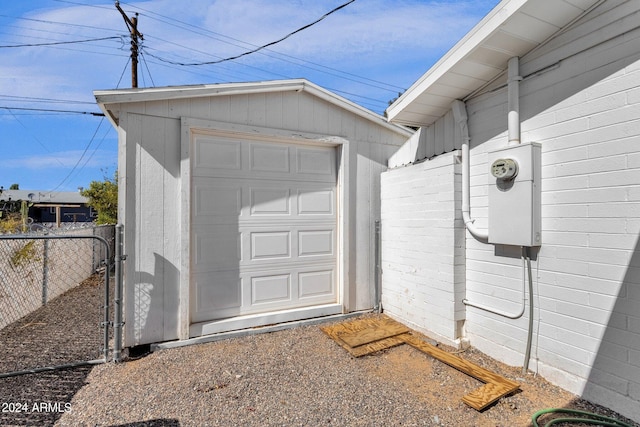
(483, 236)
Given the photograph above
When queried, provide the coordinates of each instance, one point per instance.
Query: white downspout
(460, 116)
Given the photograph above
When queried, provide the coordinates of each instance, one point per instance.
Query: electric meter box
(514, 195)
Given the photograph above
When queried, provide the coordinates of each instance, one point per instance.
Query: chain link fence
(54, 299)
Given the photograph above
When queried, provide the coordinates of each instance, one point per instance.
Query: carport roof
(512, 28)
(119, 96)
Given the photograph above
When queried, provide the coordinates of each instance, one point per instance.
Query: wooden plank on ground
(335, 332)
(381, 329)
(484, 396)
(496, 385)
(365, 336)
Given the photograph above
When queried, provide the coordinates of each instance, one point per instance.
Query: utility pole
(132, 24)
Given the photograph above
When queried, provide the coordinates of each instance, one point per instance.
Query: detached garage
(245, 205)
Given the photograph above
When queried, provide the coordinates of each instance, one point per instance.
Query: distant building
(49, 207)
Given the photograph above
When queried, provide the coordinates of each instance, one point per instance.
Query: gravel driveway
(299, 377)
(295, 377)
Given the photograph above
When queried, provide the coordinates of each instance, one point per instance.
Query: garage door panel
(216, 249)
(316, 161)
(264, 227)
(270, 244)
(313, 243)
(316, 202)
(314, 284)
(213, 200)
(229, 157)
(270, 201)
(269, 158)
(236, 201)
(283, 243)
(218, 290)
(271, 289)
(214, 154)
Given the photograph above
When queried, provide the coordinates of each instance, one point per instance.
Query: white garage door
(263, 233)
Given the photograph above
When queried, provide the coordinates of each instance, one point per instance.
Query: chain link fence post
(117, 317)
(45, 272)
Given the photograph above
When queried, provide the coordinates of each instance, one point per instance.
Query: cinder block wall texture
(422, 249)
(580, 98)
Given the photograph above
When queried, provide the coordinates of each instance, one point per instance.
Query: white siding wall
(586, 113)
(150, 172)
(442, 137)
(581, 100)
(422, 251)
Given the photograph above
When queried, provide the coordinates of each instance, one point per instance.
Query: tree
(14, 187)
(103, 197)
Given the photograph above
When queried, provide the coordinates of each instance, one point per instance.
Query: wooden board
(496, 385)
(365, 336)
(381, 329)
(484, 396)
(337, 331)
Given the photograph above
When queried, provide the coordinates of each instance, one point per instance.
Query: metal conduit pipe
(460, 116)
(527, 352)
(500, 312)
(513, 101)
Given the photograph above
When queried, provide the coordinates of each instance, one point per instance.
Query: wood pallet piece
(375, 330)
(496, 386)
(367, 326)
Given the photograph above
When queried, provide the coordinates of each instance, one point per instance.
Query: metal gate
(55, 293)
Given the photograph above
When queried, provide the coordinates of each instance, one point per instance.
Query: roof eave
(109, 97)
(482, 30)
(513, 28)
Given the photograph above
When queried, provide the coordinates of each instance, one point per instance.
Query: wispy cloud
(393, 42)
(60, 160)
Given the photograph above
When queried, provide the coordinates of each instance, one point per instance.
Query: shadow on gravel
(152, 423)
(39, 399)
(65, 330)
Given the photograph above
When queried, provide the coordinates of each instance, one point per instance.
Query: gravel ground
(300, 377)
(66, 330)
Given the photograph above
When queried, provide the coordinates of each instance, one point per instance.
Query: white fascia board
(354, 108)
(180, 92)
(483, 30)
(108, 97)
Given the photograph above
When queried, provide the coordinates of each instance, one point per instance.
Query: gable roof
(512, 28)
(118, 96)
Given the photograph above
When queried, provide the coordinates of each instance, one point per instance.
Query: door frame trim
(191, 127)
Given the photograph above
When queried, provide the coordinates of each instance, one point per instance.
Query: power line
(75, 167)
(66, 24)
(65, 42)
(231, 58)
(33, 136)
(53, 111)
(147, 67)
(220, 37)
(274, 54)
(83, 4)
(81, 157)
(46, 100)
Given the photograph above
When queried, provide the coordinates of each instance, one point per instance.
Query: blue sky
(367, 52)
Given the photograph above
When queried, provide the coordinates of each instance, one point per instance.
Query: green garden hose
(577, 417)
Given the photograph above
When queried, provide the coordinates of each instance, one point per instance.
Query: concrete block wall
(585, 111)
(423, 247)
